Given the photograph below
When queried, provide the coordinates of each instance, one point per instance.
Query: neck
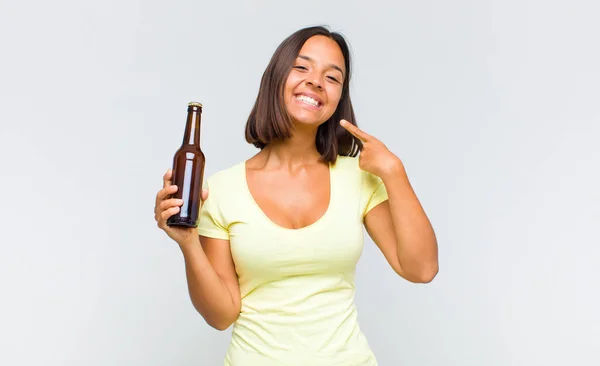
(298, 150)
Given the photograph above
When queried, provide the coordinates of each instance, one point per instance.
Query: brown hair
(269, 121)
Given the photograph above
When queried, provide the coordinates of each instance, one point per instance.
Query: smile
(308, 100)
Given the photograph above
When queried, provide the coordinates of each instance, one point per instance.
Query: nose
(314, 81)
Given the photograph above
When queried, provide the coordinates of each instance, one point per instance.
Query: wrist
(393, 169)
(189, 242)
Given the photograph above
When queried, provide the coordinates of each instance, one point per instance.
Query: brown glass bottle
(188, 171)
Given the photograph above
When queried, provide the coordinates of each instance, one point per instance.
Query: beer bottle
(188, 171)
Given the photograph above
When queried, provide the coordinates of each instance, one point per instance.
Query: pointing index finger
(355, 131)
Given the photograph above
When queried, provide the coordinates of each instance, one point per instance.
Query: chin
(307, 122)
(307, 118)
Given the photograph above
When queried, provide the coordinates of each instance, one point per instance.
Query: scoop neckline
(269, 221)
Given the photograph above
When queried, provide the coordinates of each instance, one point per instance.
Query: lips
(309, 98)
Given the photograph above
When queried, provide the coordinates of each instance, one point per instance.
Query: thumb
(204, 194)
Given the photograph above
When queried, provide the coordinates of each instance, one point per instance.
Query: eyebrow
(334, 66)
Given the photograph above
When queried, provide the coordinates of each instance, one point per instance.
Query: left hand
(374, 157)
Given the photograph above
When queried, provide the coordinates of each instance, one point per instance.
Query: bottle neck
(192, 127)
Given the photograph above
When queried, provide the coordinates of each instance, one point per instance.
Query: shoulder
(347, 164)
(350, 167)
(225, 175)
(225, 187)
(228, 179)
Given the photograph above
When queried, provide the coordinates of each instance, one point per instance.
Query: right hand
(166, 207)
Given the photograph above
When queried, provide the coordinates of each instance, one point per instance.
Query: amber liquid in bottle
(188, 171)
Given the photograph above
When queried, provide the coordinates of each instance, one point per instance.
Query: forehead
(323, 50)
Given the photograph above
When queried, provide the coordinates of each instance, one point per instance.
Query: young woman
(280, 234)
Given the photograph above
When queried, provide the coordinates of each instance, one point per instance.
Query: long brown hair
(269, 121)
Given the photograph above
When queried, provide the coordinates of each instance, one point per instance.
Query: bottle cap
(194, 104)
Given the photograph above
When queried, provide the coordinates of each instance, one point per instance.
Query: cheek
(335, 96)
(288, 87)
(291, 82)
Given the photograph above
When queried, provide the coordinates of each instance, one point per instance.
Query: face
(314, 86)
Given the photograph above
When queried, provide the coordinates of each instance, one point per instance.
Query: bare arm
(212, 281)
(402, 231)
(210, 271)
(399, 226)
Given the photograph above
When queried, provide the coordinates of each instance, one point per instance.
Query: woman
(280, 234)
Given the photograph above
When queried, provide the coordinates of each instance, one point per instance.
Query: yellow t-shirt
(297, 285)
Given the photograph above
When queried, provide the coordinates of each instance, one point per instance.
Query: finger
(164, 216)
(164, 193)
(204, 194)
(167, 204)
(167, 178)
(355, 131)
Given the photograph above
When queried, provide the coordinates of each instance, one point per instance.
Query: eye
(300, 67)
(333, 78)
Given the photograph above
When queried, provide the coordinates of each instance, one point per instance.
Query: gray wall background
(492, 105)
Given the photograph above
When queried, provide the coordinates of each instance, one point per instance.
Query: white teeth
(307, 100)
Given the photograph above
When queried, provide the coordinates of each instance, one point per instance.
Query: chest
(286, 226)
(260, 250)
(291, 201)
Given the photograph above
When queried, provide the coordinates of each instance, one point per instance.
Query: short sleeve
(212, 223)
(373, 191)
